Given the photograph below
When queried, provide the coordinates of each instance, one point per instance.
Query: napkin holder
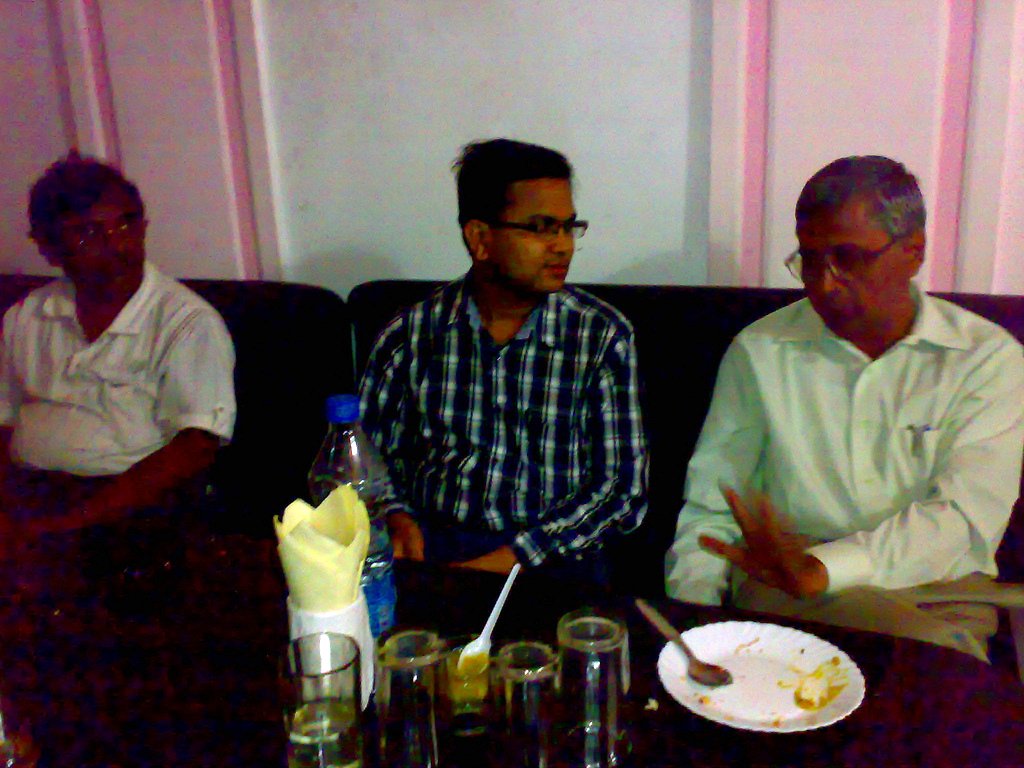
(353, 620)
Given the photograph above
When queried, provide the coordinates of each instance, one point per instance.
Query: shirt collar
(931, 325)
(61, 304)
(545, 315)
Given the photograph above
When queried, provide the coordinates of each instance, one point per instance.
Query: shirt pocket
(114, 374)
(917, 442)
(123, 385)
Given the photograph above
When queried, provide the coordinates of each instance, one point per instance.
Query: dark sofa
(297, 344)
(681, 334)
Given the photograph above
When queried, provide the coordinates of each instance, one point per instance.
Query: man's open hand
(771, 555)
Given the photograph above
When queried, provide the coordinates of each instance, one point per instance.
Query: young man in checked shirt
(506, 404)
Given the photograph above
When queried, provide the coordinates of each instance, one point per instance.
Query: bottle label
(380, 600)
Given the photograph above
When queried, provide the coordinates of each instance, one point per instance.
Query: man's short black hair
(73, 185)
(897, 205)
(485, 170)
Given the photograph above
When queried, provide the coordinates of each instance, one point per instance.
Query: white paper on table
(353, 620)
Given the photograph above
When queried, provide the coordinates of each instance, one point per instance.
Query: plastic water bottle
(348, 456)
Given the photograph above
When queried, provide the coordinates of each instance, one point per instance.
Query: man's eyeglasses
(546, 226)
(99, 232)
(841, 261)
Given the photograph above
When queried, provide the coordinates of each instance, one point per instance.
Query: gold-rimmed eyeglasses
(840, 261)
(93, 233)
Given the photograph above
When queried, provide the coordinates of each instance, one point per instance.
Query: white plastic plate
(768, 664)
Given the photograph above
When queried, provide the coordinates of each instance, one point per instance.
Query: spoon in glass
(474, 654)
(699, 671)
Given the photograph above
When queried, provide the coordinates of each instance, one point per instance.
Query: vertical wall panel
(755, 142)
(843, 84)
(1008, 273)
(984, 155)
(250, 58)
(90, 90)
(728, 53)
(172, 134)
(35, 121)
(233, 146)
(950, 143)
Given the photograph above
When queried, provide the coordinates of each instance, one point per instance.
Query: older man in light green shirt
(885, 426)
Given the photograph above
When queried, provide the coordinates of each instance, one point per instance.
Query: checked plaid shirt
(541, 436)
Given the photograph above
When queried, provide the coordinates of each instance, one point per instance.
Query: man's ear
(915, 247)
(476, 235)
(54, 253)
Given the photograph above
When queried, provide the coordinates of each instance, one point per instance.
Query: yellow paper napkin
(322, 550)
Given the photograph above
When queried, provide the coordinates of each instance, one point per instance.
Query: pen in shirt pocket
(917, 433)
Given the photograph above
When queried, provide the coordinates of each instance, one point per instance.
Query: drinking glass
(593, 667)
(406, 691)
(17, 750)
(525, 683)
(464, 691)
(322, 702)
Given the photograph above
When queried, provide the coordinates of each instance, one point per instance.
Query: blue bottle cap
(343, 409)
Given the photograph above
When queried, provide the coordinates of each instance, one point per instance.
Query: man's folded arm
(956, 528)
(146, 483)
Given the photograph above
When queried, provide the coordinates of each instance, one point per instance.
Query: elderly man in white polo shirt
(116, 381)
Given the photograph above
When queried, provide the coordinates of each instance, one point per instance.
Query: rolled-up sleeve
(197, 378)
(10, 391)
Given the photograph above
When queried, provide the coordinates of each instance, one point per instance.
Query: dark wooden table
(189, 678)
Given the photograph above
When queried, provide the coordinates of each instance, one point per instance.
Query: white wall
(139, 83)
(370, 104)
(33, 129)
(159, 55)
(936, 85)
(846, 84)
(311, 139)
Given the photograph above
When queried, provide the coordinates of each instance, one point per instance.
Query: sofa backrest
(682, 333)
(292, 349)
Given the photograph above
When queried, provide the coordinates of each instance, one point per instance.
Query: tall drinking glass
(322, 702)
(593, 649)
(406, 692)
(526, 676)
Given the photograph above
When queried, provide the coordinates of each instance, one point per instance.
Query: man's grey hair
(897, 204)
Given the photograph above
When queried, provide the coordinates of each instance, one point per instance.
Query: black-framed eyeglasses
(546, 226)
(840, 261)
(98, 232)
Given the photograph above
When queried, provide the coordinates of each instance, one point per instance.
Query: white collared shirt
(165, 364)
(905, 467)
